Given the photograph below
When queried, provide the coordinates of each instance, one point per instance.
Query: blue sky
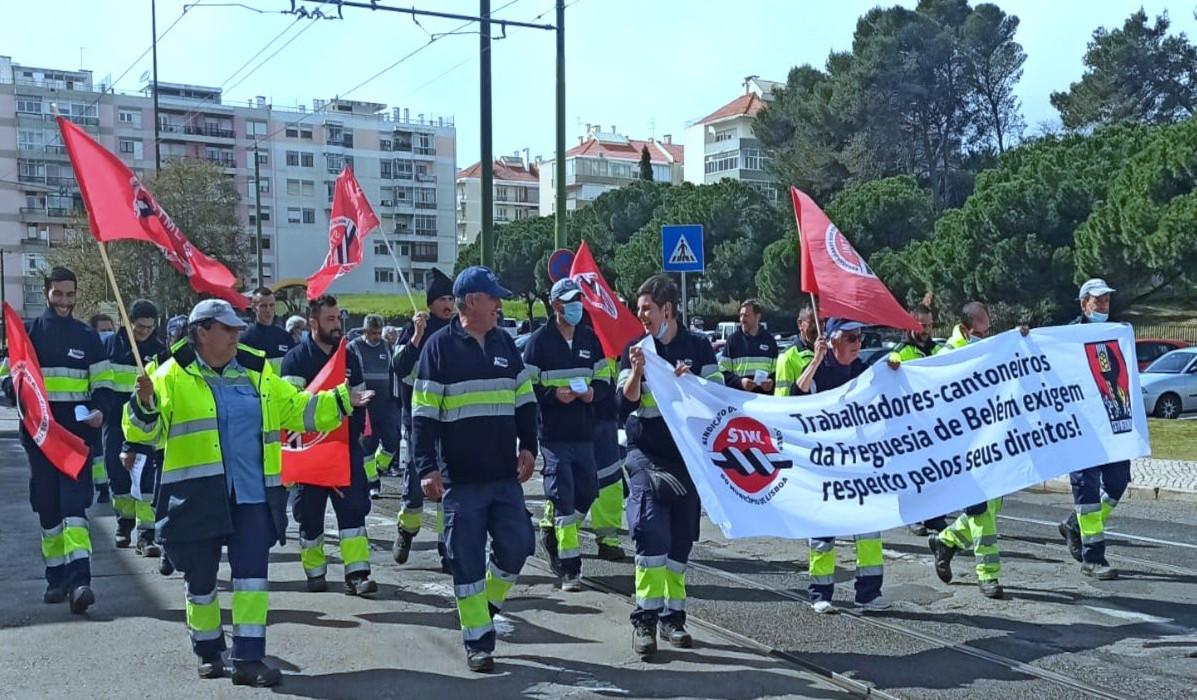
(644, 66)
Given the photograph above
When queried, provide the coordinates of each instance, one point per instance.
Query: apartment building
(406, 165)
(727, 144)
(606, 160)
(516, 195)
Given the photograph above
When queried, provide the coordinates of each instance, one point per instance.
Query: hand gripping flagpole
(116, 291)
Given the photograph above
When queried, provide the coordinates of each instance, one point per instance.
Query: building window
(720, 162)
(425, 225)
(424, 252)
(384, 143)
(265, 217)
(256, 128)
(425, 198)
(754, 159)
(384, 275)
(293, 158)
(263, 157)
(131, 117)
(334, 163)
(30, 139)
(385, 170)
(424, 145)
(725, 135)
(309, 216)
(29, 105)
(403, 169)
(293, 215)
(301, 188)
(132, 147)
(306, 160)
(380, 248)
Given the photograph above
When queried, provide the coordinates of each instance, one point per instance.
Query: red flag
(119, 206)
(320, 459)
(613, 322)
(832, 269)
(65, 450)
(352, 220)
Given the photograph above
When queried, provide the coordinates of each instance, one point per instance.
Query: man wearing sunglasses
(836, 362)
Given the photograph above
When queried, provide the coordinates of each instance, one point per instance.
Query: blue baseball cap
(565, 289)
(841, 324)
(478, 279)
(175, 325)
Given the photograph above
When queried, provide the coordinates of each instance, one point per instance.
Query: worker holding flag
(58, 421)
(216, 408)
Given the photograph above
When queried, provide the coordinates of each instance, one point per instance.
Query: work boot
(256, 674)
(165, 566)
(571, 582)
(943, 558)
(1071, 532)
(124, 532)
(480, 661)
(877, 604)
(102, 495)
(991, 589)
(401, 550)
(675, 633)
(548, 539)
(1101, 571)
(360, 585)
(610, 552)
(211, 667)
(54, 595)
(375, 490)
(644, 638)
(147, 548)
(317, 584)
(82, 598)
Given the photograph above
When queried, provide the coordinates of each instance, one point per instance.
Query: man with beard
(915, 345)
(77, 376)
(439, 298)
(352, 503)
(264, 334)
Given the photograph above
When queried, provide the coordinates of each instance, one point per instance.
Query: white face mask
(1098, 317)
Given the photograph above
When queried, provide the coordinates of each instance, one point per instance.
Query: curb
(1150, 493)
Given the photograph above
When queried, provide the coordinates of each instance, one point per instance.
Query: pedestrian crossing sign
(682, 248)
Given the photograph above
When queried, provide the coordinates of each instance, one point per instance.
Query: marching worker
(216, 408)
(795, 359)
(1096, 490)
(606, 513)
(76, 374)
(439, 298)
(104, 327)
(472, 409)
(176, 329)
(915, 345)
(351, 503)
(663, 508)
(264, 334)
(131, 512)
(836, 362)
(374, 357)
(750, 355)
(976, 527)
(566, 361)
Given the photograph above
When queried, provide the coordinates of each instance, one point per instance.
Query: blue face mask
(664, 328)
(572, 312)
(105, 335)
(1098, 317)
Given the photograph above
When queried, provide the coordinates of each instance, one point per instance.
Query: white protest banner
(899, 446)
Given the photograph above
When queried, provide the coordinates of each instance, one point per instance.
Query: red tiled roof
(658, 151)
(744, 105)
(502, 171)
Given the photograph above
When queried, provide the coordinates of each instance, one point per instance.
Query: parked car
(1170, 384)
(1148, 350)
(508, 325)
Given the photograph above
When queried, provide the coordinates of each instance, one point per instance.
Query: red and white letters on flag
(320, 459)
(120, 207)
(65, 450)
(612, 321)
(832, 269)
(352, 219)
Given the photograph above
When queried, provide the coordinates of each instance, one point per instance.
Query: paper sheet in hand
(761, 376)
(135, 475)
(578, 385)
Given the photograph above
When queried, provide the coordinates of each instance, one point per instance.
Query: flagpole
(402, 278)
(120, 306)
(814, 308)
(120, 303)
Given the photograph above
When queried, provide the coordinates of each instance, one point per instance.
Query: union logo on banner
(32, 403)
(749, 454)
(596, 294)
(1113, 382)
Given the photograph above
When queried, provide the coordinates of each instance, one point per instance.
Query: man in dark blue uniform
(264, 334)
(351, 504)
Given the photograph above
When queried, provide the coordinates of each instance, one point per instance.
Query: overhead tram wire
(338, 95)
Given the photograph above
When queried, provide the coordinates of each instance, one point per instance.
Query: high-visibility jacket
(193, 499)
(744, 354)
(907, 351)
(553, 363)
(959, 338)
(790, 365)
